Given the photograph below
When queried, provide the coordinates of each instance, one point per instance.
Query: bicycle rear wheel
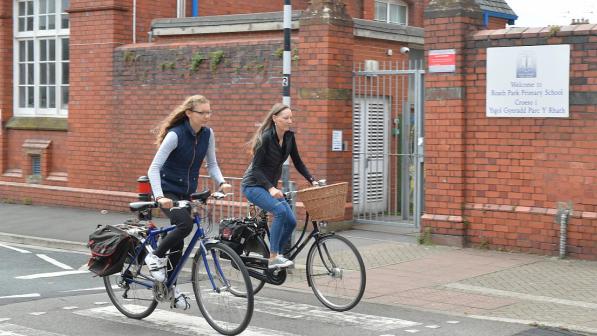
(227, 307)
(336, 272)
(131, 289)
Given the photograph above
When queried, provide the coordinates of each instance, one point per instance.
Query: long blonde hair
(177, 116)
(266, 124)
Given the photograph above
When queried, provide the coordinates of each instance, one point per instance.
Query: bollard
(562, 217)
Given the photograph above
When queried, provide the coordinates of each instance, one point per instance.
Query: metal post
(419, 147)
(286, 64)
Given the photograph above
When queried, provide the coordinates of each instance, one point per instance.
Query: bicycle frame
(151, 239)
(300, 244)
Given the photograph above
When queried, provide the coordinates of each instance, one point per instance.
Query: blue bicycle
(220, 280)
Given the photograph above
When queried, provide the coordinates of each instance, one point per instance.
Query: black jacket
(266, 167)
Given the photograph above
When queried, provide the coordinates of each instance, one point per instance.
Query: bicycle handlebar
(139, 206)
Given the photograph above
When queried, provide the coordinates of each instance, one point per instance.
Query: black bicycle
(334, 267)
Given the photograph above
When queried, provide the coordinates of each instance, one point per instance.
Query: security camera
(404, 50)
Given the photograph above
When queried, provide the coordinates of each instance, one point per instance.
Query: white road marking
(307, 312)
(172, 322)
(37, 313)
(14, 248)
(541, 298)
(20, 296)
(50, 275)
(4, 319)
(412, 331)
(8, 329)
(70, 307)
(100, 303)
(54, 262)
(453, 322)
(433, 326)
(84, 289)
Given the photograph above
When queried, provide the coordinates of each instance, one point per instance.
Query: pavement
(513, 287)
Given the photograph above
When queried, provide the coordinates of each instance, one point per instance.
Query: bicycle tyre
(131, 291)
(226, 309)
(336, 272)
(257, 247)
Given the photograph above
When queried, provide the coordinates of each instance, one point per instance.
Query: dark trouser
(174, 240)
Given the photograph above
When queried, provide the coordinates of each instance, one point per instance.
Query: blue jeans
(284, 221)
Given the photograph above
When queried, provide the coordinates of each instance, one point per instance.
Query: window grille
(36, 165)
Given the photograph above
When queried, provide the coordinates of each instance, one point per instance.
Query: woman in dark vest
(184, 141)
(270, 146)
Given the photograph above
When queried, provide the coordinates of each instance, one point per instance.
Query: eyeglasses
(201, 113)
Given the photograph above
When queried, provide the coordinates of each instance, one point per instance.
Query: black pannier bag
(109, 247)
(235, 232)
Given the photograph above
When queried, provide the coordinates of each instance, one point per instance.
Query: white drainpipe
(181, 8)
(134, 21)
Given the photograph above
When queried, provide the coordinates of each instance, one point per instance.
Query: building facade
(83, 83)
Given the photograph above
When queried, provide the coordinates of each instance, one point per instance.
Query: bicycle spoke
(336, 272)
(132, 295)
(223, 289)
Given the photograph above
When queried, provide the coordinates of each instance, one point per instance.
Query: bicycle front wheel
(131, 289)
(336, 272)
(222, 288)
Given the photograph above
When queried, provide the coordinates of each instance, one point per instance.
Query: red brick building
(83, 83)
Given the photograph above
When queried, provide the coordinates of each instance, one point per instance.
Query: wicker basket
(325, 203)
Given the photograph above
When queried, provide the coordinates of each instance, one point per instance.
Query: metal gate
(387, 182)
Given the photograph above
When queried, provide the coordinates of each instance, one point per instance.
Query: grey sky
(541, 13)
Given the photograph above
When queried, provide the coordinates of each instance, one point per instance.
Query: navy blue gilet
(180, 172)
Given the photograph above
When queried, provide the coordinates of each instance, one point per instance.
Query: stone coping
(38, 123)
(526, 32)
(242, 23)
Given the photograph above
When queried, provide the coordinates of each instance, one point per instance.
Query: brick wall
(496, 182)
(354, 7)
(241, 89)
(518, 169)
(496, 23)
(5, 76)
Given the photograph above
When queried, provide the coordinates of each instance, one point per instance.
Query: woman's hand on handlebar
(165, 202)
(225, 188)
(275, 192)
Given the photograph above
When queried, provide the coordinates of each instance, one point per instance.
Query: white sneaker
(280, 262)
(181, 301)
(157, 266)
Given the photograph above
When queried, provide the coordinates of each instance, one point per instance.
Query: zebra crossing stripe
(307, 312)
(8, 329)
(172, 322)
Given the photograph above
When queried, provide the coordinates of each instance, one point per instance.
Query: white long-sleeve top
(168, 145)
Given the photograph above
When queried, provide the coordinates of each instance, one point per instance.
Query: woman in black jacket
(270, 146)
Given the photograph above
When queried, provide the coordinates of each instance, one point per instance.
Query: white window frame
(59, 35)
(389, 4)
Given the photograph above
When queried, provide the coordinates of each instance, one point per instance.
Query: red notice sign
(442, 60)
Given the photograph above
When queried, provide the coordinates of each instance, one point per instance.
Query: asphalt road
(49, 293)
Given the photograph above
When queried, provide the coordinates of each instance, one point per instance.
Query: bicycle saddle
(201, 196)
